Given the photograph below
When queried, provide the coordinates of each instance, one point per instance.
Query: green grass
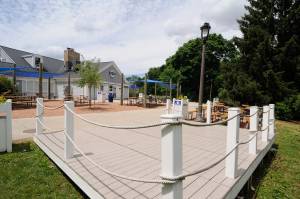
(278, 175)
(28, 173)
(281, 176)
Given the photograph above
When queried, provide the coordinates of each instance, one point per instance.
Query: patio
(137, 153)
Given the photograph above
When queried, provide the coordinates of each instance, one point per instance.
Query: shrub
(5, 84)
(289, 109)
(283, 111)
(2, 99)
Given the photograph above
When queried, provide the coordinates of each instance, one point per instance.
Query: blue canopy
(163, 84)
(33, 74)
(166, 85)
(16, 68)
(134, 86)
(150, 81)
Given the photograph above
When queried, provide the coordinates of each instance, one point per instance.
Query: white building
(27, 81)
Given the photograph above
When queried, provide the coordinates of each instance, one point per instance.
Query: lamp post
(204, 36)
(69, 67)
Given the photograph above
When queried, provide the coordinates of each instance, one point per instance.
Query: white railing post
(8, 126)
(233, 128)
(272, 121)
(265, 124)
(253, 129)
(208, 112)
(69, 129)
(168, 106)
(39, 115)
(171, 156)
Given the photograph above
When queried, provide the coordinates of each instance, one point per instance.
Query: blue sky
(136, 34)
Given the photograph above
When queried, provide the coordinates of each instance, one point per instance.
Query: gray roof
(50, 64)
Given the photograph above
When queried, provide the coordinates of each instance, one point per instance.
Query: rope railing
(173, 122)
(251, 114)
(48, 107)
(210, 124)
(113, 173)
(148, 125)
(48, 128)
(121, 127)
(181, 177)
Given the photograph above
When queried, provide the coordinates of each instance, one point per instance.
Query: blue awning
(32, 74)
(150, 81)
(134, 86)
(17, 68)
(162, 84)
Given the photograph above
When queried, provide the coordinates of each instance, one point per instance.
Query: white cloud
(135, 34)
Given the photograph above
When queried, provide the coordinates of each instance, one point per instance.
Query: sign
(177, 102)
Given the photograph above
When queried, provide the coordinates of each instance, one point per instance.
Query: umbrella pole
(155, 92)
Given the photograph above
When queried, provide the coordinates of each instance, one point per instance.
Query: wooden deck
(136, 153)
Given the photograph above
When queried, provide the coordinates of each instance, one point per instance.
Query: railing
(171, 142)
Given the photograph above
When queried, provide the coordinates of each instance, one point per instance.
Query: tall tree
(187, 60)
(89, 76)
(269, 49)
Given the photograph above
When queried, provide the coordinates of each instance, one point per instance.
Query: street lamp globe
(205, 31)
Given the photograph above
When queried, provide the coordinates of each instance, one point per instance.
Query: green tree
(187, 60)
(269, 65)
(170, 74)
(5, 85)
(89, 76)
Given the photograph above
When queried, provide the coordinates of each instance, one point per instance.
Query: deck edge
(76, 178)
(237, 187)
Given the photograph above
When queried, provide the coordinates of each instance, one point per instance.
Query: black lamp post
(204, 36)
(69, 68)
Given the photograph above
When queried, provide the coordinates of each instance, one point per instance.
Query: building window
(112, 74)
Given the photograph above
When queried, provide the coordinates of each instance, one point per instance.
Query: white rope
(53, 108)
(149, 125)
(211, 124)
(246, 142)
(122, 127)
(181, 177)
(164, 178)
(47, 128)
(48, 107)
(252, 114)
(112, 173)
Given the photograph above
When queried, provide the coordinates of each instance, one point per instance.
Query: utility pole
(171, 88)
(145, 91)
(14, 80)
(122, 89)
(40, 80)
(177, 89)
(49, 88)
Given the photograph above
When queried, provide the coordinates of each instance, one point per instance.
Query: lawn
(281, 176)
(28, 173)
(278, 176)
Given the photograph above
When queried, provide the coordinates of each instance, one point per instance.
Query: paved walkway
(24, 128)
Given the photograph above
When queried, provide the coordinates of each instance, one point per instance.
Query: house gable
(111, 73)
(4, 57)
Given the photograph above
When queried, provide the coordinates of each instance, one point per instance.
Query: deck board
(136, 153)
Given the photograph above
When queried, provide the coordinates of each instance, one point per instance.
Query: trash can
(110, 97)
(3, 133)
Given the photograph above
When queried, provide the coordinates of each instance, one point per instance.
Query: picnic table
(132, 101)
(28, 101)
(81, 100)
